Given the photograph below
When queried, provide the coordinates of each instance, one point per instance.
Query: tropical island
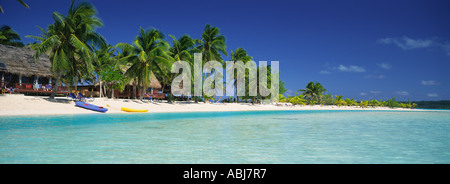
(306, 82)
(70, 57)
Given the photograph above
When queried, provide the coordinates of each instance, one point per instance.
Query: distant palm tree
(339, 101)
(363, 104)
(239, 55)
(66, 42)
(313, 91)
(9, 37)
(151, 57)
(20, 1)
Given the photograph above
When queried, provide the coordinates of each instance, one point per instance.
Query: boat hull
(91, 107)
(133, 110)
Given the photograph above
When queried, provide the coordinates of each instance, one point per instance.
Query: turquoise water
(229, 137)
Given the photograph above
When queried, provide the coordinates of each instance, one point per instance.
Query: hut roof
(20, 61)
(154, 82)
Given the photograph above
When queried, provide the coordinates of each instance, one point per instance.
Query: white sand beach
(41, 105)
(17, 104)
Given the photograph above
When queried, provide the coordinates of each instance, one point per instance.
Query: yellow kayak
(133, 110)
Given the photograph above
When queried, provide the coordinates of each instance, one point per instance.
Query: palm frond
(45, 46)
(23, 3)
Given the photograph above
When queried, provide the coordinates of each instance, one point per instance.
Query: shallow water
(229, 137)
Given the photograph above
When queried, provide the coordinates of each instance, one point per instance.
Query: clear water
(229, 137)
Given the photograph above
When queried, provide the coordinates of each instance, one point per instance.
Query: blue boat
(90, 106)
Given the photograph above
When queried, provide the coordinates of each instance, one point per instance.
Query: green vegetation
(69, 43)
(9, 37)
(443, 104)
(150, 55)
(309, 97)
(313, 92)
(78, 53)
(239, 55)
(295, 100)
(339, 101)
(212, 44)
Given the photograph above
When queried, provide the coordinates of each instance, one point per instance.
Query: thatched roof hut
(154, 82)
(20, 61)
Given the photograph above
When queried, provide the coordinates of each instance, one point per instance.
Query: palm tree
(103, 57)
(392, 103)
(339, 101)
(181, 50)
(239, 55)
(151, 56)
(9, 37)
(351, 102)
(212, 44)
(126, 57)
(296, 100)
(313, 91)
(20, 1)
(363, 104)
(66, 42)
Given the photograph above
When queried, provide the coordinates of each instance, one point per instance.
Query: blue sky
(359, 49)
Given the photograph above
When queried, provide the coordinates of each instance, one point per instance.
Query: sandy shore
(42, 105)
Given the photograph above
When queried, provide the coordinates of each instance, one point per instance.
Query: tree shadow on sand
(58, 100)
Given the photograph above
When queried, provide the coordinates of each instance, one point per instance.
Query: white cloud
(403, 93)
(374, 76)
(429, 83)
(375, 92)
(363, 94)
(289, 93)
(407, 43)
(385, 40)
(385, 66)
(446, 48)
(432, 95)
(324, 72)
(351, 68)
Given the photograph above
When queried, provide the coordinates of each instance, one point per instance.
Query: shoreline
(21, 105)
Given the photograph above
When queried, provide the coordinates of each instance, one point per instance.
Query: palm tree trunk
(76, 85)
(237, 97)
(112, 92)
(55, 88)
(170, 99)
(142, 93)
(164, 87)
(100, 83)
(105, 92)
(134, 91)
